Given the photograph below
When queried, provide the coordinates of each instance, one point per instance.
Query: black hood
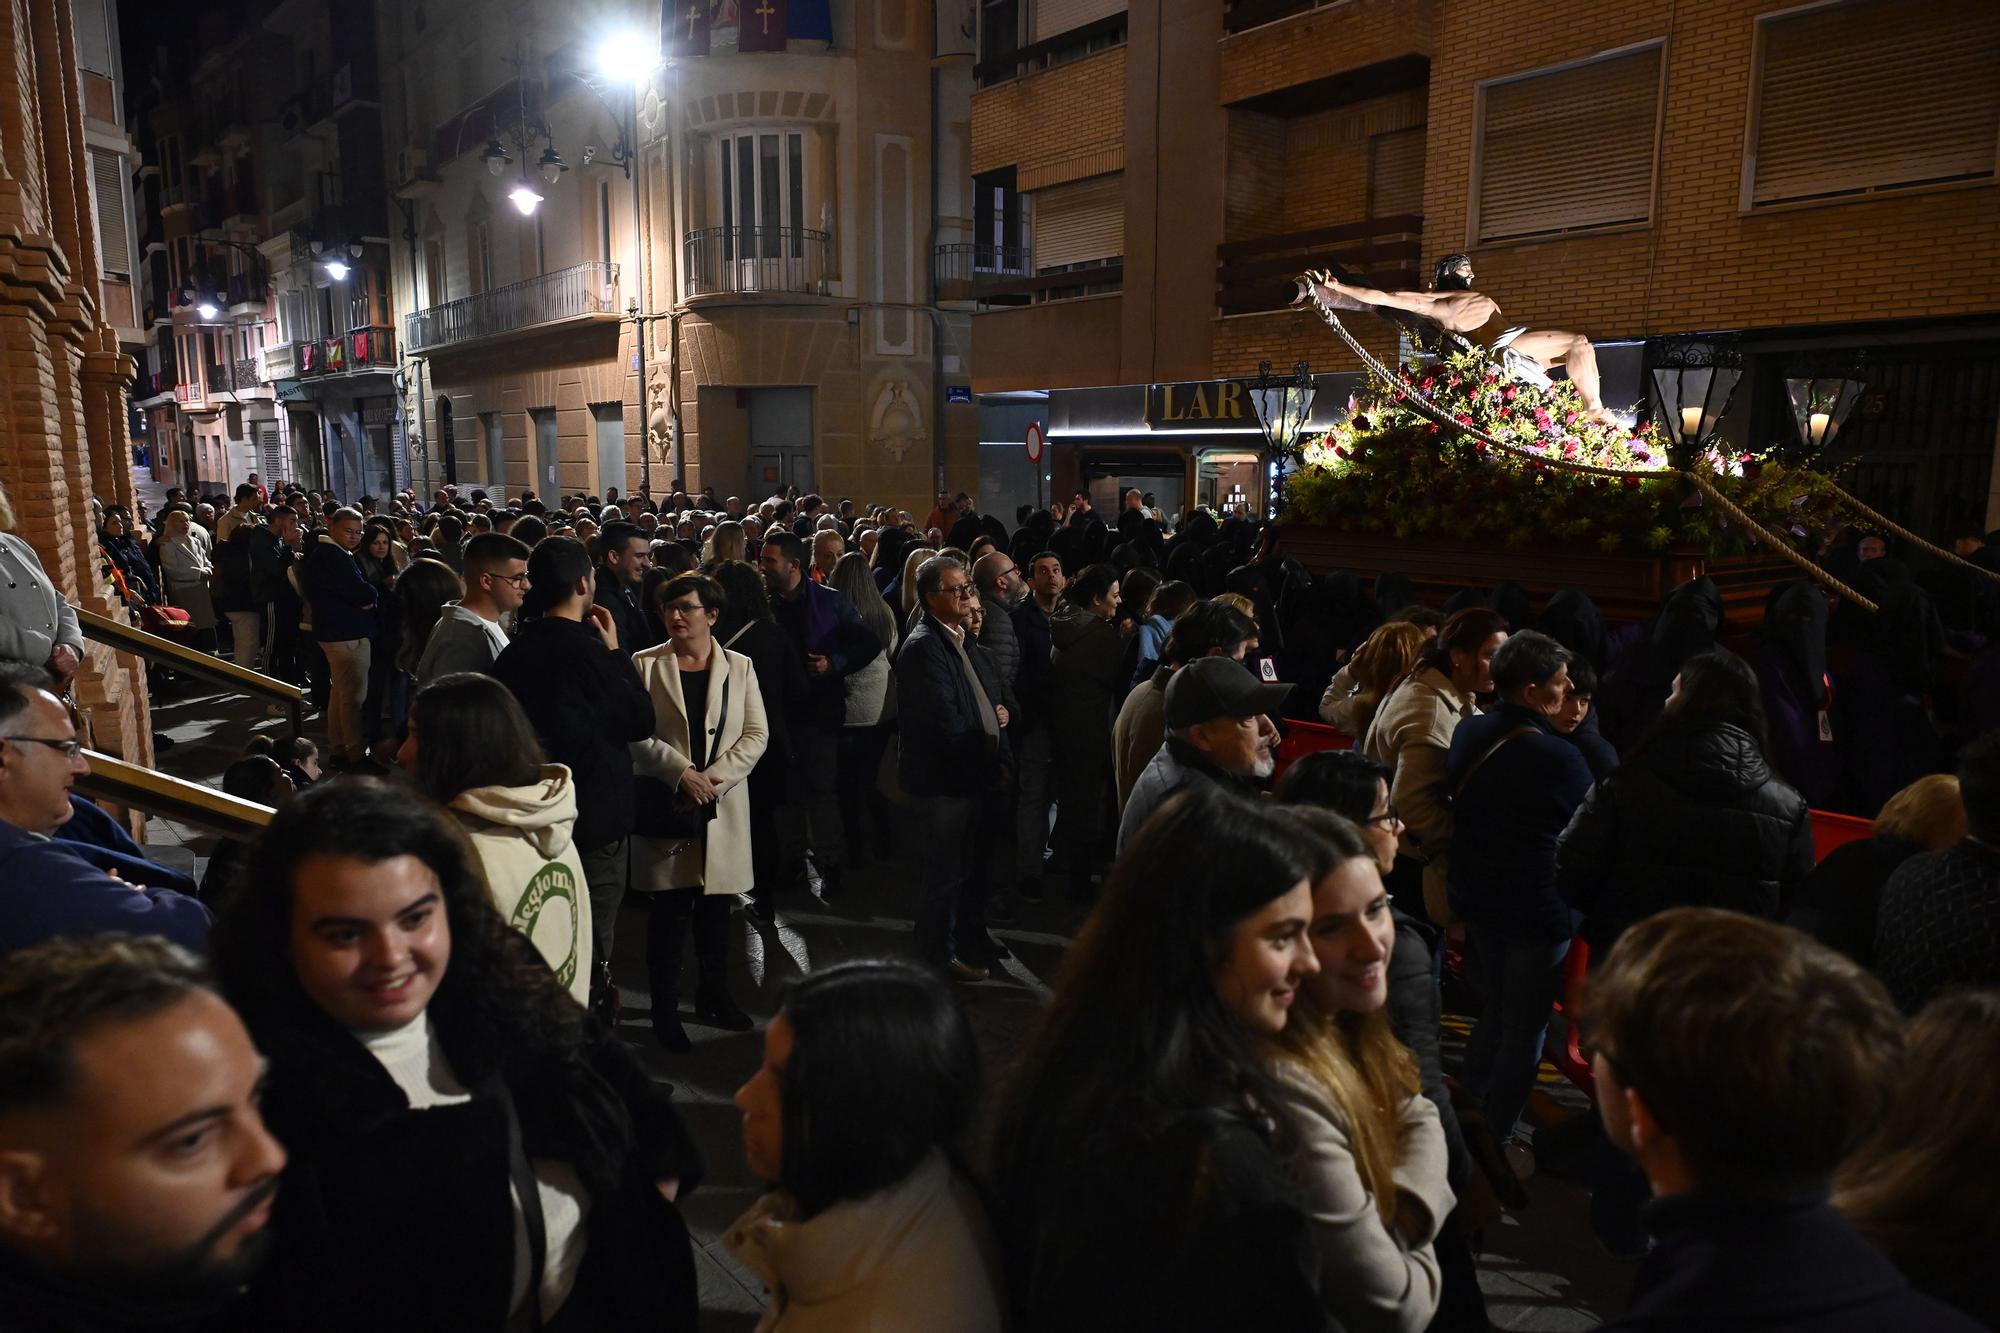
(1795, 631)
(1393, 592)
(1574, 621)
(1511, 601)
(1689, 617)
(1905, 632)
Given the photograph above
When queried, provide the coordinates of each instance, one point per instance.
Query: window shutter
(1055, 17)
(1079, 223)
(1571, 149)
(114, 247)
(1396, 173)
(1870, 95)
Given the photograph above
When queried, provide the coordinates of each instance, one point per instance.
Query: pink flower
(1570, 447)
(1464, 420)
(1510, 393)
(1569, 418)
(1543, 419)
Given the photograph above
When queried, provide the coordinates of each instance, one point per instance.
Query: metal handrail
(155, 793)
(127, 639)
(748, 259)
(589, 288)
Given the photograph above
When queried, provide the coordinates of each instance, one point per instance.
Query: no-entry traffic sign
(1034, 441)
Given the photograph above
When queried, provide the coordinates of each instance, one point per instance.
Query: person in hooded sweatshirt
(472, 750)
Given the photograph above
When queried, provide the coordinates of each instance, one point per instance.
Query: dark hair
(713, 598)
(1090, 584)
(614, 535)
(252, 778)
(1717, 688)
(1172, 599)
(497, 1010)
(1343, 781)
(529, 530)
(555, 566)
(1137, 1054)
(1204, 628)
(1527, 658)
(1979, 786)
(471, 732)
(1442, 277)
(1809, 1039)
(671, 558)
(488, 551)
(884, 1070)
(1136, 592)
(930, 574)
(55, 993)
(17, 680)
(743, 589)
(1463, 632)
(1582, 676)
(421, 592)
(245, 491)
(787, 543)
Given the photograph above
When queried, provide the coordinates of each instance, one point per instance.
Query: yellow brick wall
(1043, 120)
(1326, 41)
(1702, 264)
(1326, 181)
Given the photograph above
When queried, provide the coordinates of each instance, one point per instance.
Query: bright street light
(208, 310)
(337, 269)
(627, 57)
(525, 198)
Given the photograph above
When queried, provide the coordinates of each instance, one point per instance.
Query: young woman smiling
(467, 1150)
(1141, 1158)
(1371, 1152)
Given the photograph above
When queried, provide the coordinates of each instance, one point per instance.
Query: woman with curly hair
(467, 1149)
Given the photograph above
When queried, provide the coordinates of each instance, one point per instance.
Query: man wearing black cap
(1219, 730)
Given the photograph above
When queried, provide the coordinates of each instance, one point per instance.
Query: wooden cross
(764, 12)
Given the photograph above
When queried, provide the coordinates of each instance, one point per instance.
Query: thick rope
(1431, 412)
(1912, 537)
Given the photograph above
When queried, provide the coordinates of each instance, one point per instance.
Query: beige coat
(719, 862)
(1411, 733)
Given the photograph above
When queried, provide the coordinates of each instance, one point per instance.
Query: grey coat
(34, 617)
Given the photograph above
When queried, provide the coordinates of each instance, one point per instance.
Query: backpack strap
(1466, 777)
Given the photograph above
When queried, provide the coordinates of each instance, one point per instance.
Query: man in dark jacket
(1938, 927)
(273, 552)
(1034, 740)
(952, 761)
(1219, 731)
(1743, 1235)
(1002, 589)
(343, 612)
(829, 636)
(586, 702)
(1516, 783)
(626, 559)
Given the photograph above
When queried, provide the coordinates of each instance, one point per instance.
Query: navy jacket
(821, 622)
(343, 601)
(1720, 1265)
(944, 750)
(1508, 818)
(48, 890)
(103, 841)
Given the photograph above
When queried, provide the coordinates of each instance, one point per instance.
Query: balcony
(580, 291)
(1257, 275)
(748, 261)
(246, 293)
(1060, 49)
(365, 350)
(150, 390)
(281, 360)
(963, 269)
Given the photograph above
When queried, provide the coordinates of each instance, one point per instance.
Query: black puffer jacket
(1695, 819)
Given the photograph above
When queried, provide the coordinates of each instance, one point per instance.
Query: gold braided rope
(1425, 408)
(1912, 537)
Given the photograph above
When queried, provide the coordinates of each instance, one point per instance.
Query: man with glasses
(47, 888)
(1219, 731)
(470, 635)
(954, 764)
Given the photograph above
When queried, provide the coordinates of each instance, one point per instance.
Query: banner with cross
(685, 23)
(763, 25)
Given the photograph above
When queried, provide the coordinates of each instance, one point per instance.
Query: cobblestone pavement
(1540, 1269)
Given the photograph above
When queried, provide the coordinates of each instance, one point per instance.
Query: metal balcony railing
(731, 260)
(581, 289)
(964, 262)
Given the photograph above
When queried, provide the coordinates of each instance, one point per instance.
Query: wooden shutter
(114, 246)
(1079, 223)
(1570, 149)
(1055, 17)
(1396, 173)
(1869, 95)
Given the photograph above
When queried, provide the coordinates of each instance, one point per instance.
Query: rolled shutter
(1055, 17)
(1079, 223)
(1870, 95)
(1396, 173)
(1571, 149)
(114, 246)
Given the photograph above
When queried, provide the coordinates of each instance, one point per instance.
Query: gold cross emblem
(764, 12)
(694, 17)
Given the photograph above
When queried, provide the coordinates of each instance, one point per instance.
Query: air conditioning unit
(413, 161)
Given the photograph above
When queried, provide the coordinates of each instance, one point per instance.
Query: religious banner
(761, 25)
(686, 25)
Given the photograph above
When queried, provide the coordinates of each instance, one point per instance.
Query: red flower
(1510, 393)
(1543, 419)
(1631, 483)
(1569, 418)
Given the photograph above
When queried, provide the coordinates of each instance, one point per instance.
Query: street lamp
(1820, 406)
(626, 59)
(207, 309)
(1284, 404)
(525, 197)
(1692, 384)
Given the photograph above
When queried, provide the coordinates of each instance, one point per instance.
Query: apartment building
(772, 289)
(1805, 184)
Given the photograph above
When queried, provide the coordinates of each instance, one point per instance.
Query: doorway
(781, 434)
(608, 423)
(547, 454)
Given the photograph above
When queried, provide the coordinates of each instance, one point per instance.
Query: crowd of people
(369, 1072)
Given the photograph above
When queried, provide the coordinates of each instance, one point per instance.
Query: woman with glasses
(693, 851)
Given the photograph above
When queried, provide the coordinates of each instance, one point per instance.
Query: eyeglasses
(1388, 816)
(71, 747)
(517, 580)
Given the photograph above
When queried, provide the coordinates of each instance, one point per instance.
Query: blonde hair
(6, 512)
(1380, 662)
(1240, 602)
(1928, 812)
(1371, 1075)
(724, 543)
(917, 555)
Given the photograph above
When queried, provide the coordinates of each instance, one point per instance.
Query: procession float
(1467, 462)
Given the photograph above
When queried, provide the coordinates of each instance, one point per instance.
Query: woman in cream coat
(705, 763)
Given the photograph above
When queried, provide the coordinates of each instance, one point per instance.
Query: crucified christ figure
(1455, 308)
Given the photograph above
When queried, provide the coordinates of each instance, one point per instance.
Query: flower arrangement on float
(1389, 469)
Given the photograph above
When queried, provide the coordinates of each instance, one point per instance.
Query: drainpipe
(937, 323)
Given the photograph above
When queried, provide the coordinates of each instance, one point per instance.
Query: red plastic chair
(1830, 831)
(1304, 738)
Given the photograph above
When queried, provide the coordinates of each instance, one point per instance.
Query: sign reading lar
(1202, 405)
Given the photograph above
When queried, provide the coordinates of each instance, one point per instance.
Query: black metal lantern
(1821, 404)
(1692, 384)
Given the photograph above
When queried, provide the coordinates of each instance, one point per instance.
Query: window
(1527, 177)
(434, 271)
(997, 224)
(604, 219)
(1396, 173)
(107, 183)
(762, 178)
(481, 257)
(1052, 18)
(1080, 225)
(1864, 95)
(999, 30)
